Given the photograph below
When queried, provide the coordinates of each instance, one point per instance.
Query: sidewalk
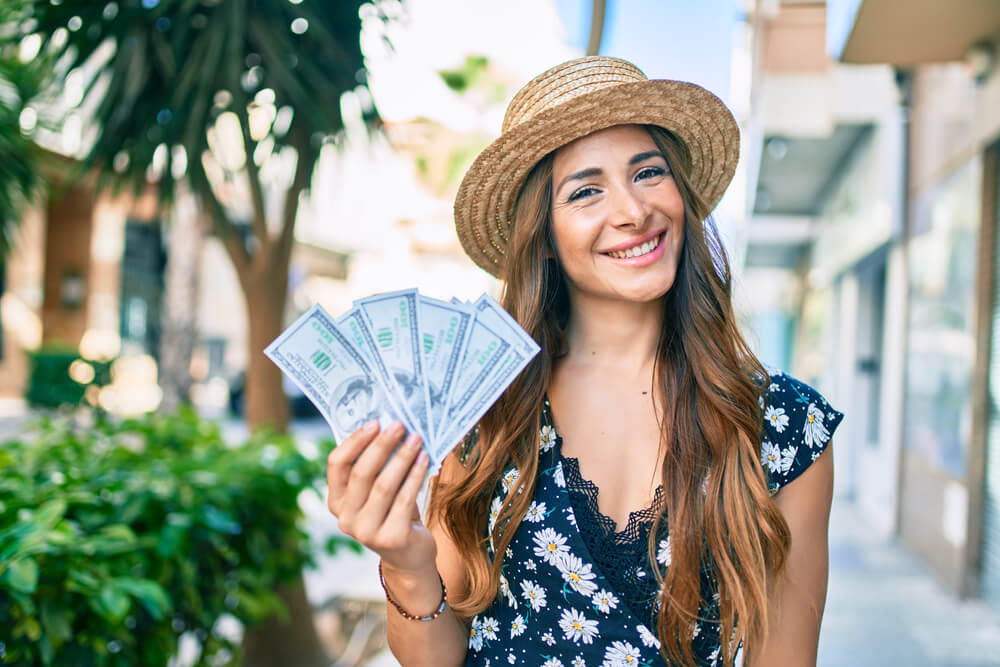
(884, 607)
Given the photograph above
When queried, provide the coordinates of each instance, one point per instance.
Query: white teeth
(636, 251)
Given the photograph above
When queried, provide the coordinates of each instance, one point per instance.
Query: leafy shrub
(116, 538)
(49, 381)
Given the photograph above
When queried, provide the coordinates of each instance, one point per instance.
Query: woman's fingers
(367, 466)
(385, 488)
(400, 517)
(341, 459)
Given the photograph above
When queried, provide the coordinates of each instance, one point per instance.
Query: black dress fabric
(575, 592)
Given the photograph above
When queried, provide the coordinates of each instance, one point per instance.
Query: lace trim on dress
(622, 556)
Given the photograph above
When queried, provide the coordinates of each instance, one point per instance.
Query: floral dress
(574, 592)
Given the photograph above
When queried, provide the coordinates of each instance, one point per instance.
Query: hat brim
(484, 205)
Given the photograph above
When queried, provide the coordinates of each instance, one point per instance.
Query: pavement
(884, 607)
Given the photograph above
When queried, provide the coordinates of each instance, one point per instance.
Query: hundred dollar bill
(395, 324)
(486, 348)
(332, 373)
(519, 349)
(444, 329)
(355, 327)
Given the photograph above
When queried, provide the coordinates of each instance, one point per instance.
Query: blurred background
(179, 179)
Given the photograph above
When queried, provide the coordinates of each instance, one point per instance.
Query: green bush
(49, 381)
(117, 538)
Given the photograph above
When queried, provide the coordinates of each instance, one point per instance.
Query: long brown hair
(714, 489)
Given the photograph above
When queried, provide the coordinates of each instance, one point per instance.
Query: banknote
(484, 351)
(444, 334)
(356, 329)
(436, 366)
(394, 320)
(519, 348)
(332, 373)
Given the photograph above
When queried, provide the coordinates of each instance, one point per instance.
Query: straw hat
(572, 100)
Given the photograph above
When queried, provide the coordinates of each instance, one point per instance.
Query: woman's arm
(444, 640)
(796, 612)
(373, 485)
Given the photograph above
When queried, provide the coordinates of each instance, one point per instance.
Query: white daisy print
(511, 658)
(604, 600)
(549, 545)
(813, 431)
(777, 417)
(647, 637)
(578, 661)
(771, 456)
(714, 656)
(536, 512)
(577, 627)
(509, 478)
(787, 459)
(663, 556)
(530, 565)
(476, 635)
(549, 639)
(495, 512)
(489, 628)
(547, 438)
(558, 477)
(577, 574)
(621, 654)
(534, 594)
(505, 591)
(552, 662)
(517, 626)
(696, 631)
(570, 516)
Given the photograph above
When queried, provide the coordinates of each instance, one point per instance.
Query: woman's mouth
(639, 253)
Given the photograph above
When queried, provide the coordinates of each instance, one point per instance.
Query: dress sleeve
(798, 425)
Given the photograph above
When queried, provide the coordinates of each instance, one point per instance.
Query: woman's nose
(628, 207)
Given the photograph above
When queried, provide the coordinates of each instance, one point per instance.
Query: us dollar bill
(519, 349)
(335, 376)
(394, 319)
(355, 327)
(445, 331)
(486, 348)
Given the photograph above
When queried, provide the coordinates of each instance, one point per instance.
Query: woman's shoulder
(799, 423)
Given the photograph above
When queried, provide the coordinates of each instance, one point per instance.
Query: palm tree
(168, 79)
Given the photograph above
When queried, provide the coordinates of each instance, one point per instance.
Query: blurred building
(871, 252)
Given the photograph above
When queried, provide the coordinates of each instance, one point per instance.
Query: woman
(593, 208)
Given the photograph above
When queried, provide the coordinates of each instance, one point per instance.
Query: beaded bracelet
(407, 615)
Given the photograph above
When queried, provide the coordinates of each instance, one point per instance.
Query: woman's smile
(638, 252)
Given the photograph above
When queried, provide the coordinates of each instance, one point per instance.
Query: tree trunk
(264, 399)
(274, 642)
(180, 309)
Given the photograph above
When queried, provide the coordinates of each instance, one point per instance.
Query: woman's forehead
(607, 144)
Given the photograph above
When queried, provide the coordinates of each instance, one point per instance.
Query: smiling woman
(679, 511)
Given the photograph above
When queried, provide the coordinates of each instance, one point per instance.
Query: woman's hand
(373, 494)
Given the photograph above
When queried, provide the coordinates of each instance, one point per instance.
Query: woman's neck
(613, 334)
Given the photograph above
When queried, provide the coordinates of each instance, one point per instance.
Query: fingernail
(398, 428)
(423, 458)
(371, 426)
(413, 441)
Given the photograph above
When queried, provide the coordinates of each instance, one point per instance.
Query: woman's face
(617, 216)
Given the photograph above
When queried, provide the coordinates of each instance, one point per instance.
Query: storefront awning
(908, 32)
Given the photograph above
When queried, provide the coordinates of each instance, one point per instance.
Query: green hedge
(115, 539)
(49, 381)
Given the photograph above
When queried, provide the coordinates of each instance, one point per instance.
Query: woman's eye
(582, 192)
(650, 172)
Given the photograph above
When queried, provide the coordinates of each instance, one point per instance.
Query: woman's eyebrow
(642, 157)
(596, 171)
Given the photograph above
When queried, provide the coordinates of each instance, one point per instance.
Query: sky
(688, 40)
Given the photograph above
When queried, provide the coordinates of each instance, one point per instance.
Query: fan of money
(436, 366)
